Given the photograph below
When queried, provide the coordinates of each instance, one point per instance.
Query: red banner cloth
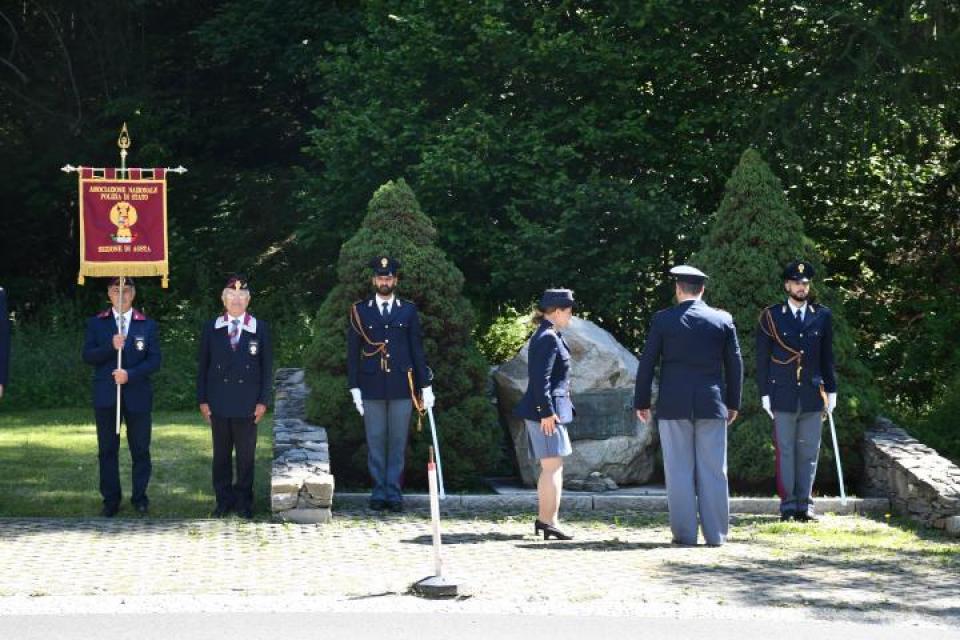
(123, 223)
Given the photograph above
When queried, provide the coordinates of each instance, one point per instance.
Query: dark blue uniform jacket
(141, 357)
(4, 340)
(234, 382)
(814, 338)
(384, 374)
(548, 387)
(701, 371)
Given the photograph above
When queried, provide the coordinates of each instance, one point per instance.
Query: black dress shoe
(395, 507)
(109, 510)
(220, 511)
(786, 516)
(142, 508)
(246, 513)
(806, 516)
(378, 505)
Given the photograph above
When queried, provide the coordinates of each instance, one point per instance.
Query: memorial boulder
(608, 440)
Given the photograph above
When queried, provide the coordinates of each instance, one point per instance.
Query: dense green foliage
(754, 233)
(467, 426)
(585, 140)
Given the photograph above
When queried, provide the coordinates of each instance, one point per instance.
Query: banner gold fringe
(133, 269)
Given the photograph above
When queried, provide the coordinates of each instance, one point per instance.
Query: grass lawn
(48, 465)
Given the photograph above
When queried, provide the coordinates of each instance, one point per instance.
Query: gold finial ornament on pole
(124, 143)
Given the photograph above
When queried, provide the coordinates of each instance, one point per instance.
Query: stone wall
(919, 482)
(301, 486)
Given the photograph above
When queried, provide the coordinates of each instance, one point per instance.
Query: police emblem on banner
(253, 347)
(140, 343)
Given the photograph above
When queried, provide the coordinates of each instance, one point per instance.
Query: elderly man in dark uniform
(4, 343)
(234, 383)
(135, 336)
(798, 383)
(387, 373)
(701, 376)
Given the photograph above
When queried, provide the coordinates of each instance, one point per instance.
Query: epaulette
(138, 315)
(105, 314)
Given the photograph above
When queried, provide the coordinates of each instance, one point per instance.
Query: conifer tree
(467, 425)
(753, 235)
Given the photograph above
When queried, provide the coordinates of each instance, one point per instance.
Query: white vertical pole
(120, 351)
(836, 454)
(436, 447)
(434, 514)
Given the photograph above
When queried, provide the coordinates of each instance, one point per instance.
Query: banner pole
(120, 350)
(124, 143)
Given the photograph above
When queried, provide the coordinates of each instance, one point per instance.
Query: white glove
(765, 401)
(428, 398)
(357, 400)
(831, 402)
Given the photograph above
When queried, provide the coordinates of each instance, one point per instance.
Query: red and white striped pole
(435, 514)
(435, 586)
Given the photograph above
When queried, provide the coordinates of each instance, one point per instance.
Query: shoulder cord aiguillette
(769, 327)
(381, 348)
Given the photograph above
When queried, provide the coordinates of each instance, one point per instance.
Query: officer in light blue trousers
(387, 373)
(701, 376)
(798, 383)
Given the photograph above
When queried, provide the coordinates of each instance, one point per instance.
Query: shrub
(467, 425)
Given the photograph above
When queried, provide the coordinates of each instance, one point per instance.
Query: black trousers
(139, 427)
(231, 434)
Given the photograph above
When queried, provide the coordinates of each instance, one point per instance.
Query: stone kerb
(301, 486)
(919, 482)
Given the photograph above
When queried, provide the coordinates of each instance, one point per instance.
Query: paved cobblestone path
(616, 564)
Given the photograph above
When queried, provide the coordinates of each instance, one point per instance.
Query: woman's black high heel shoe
(549, 531)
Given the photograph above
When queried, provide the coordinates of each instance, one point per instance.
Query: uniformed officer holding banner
(136, 337)
(387, 375)
(797, 382)
(701, 376)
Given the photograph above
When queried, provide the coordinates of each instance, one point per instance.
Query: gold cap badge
(237, 284)
(800, 267)
(384, 262)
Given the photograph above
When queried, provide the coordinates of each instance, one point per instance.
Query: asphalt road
(405, 625)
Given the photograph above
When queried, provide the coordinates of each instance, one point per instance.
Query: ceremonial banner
(123, 223)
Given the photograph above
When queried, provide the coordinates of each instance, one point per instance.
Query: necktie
(799, 316)
(386, 307)
(234, 334)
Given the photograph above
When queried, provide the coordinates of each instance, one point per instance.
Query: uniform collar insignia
(108, 313)
(249, 322)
